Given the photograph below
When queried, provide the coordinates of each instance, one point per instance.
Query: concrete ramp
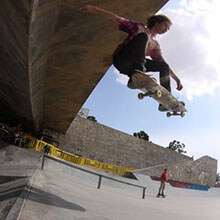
(17, 166)
(60, 191)
(153, 186)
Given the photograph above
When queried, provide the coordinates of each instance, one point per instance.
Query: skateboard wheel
(182, 114)
(168, 114)
(154, 79)
(158, 93)
(140, 95)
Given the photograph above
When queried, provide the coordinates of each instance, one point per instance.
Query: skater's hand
(83, 7)
(179, 85)
(178, 82)
(86, 7)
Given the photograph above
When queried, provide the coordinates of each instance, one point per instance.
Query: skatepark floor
(63, 192)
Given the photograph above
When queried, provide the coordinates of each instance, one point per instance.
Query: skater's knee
(165, 67)
(164, 70)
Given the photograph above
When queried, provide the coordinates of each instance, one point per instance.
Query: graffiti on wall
(204, 178)
(181, 184)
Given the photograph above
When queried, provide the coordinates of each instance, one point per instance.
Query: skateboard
(163, 96)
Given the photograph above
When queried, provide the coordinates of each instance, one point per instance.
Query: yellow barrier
(34, 143)
(106, 166)
(30, 141)
(94, 164)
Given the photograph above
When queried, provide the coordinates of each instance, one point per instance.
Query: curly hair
(151, 21)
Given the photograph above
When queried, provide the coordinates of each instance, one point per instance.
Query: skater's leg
(131, 56)
(162, 68)
(164, 71)
(160, 189)
(163, 188)
(137, 50)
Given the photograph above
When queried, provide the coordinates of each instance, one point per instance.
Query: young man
(163, 180)
(130, 56)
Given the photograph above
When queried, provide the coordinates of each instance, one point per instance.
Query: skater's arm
(174, 76)
(157, 55)
(100, 11)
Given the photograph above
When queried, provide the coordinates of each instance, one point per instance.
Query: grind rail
(91, 172)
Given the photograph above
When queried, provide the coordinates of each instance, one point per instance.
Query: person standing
(163, 180)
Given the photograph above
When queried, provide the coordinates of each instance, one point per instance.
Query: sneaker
(162, 108)
(136, 80)
(130, 84)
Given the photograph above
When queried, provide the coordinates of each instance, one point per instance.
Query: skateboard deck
(163, 96)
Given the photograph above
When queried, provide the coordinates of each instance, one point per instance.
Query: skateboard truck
(169, 114)
(176, 113)
(157, 93)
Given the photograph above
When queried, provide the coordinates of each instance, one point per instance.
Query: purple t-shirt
(133, 28)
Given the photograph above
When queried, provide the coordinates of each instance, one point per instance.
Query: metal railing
(91, 172)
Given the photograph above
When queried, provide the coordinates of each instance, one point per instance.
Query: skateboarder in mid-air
(130, 56)
(163, 180)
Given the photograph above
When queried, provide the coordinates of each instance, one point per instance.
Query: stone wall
(95, 141)
(98, 142)
(202, 171)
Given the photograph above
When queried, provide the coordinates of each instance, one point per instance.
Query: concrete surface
(17, 166)
(61, 192)
(53, 55)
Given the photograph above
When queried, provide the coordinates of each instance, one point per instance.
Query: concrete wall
(98, 142)
(52, 55)
(202, 171)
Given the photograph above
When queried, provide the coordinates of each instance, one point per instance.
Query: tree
(142, 135)
(92, 118)
(177, 146)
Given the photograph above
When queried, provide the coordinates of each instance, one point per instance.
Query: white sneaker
(136, 80)
(162, 108)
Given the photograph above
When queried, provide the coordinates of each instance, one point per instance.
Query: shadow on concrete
(11, 193)
(4, 209)
(8, 198)
(47, 198)
(7, 179)
(35, 195)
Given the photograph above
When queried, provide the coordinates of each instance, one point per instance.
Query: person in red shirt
(163, 180)
(130, 56)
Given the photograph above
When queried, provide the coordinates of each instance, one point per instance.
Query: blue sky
(191, 48)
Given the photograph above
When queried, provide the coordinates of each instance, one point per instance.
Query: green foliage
(177, 146)
(92, 118)
(142, 135)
